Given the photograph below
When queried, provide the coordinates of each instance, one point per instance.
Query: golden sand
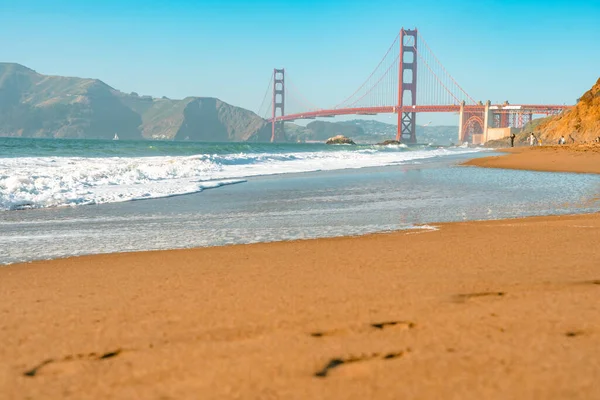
(582, 158)
(504, 309)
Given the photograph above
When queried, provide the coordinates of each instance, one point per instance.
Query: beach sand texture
(581, 158)
(488, 309)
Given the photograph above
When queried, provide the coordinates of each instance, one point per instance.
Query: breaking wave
(38, 182)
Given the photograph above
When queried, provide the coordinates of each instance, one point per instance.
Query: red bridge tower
(277, 131)
(407, 83)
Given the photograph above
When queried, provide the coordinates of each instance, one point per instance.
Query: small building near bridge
(499, 133)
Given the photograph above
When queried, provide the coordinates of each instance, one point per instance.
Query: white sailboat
(116, 137)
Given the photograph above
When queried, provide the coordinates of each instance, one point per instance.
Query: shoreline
(416, 229)
(480, 309)
(475, 308)
(518, 158)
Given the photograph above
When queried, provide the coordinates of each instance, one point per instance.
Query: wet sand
(489, 309)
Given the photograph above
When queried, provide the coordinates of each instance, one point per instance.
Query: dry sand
(582, 158)
(477, 310)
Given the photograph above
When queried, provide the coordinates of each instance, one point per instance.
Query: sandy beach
(580, 158)
(472, 310)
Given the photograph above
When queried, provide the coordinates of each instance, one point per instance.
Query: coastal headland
(470, 310)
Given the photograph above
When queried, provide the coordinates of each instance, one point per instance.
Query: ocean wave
(39, 182)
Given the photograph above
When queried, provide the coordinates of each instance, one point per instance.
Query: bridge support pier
(487, 119)
(461, 122)
(473, 124)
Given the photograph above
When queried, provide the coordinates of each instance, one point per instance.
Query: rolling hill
(36, 105)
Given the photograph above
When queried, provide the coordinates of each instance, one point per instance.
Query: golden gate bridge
(408, 80)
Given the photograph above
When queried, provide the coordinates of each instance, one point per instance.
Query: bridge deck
(520, 108)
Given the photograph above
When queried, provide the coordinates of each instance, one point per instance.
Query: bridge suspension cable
(383, 75)
(388, 91)
(433, 86)
(266, 106)
(433, 73)
(298, 101)
(409, 79)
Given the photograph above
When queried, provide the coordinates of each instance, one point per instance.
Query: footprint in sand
(377, 325)
(461, 298)
(71, 358)
(341, 361)
(397, 324)
(574, 333)
(592, 282)
(337, 362)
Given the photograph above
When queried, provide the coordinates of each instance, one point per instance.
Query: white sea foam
(35, 182)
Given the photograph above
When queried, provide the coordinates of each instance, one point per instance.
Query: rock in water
(339, 139)
(388, 142)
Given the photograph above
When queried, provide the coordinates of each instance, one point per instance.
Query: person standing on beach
(532, 139)
(512, 139)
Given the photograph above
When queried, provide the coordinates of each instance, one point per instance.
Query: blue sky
(521, 51)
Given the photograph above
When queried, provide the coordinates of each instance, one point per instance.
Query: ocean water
(61, 198)
(54, 173)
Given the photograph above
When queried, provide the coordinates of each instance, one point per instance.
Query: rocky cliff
(36, 105)
(582, 123)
